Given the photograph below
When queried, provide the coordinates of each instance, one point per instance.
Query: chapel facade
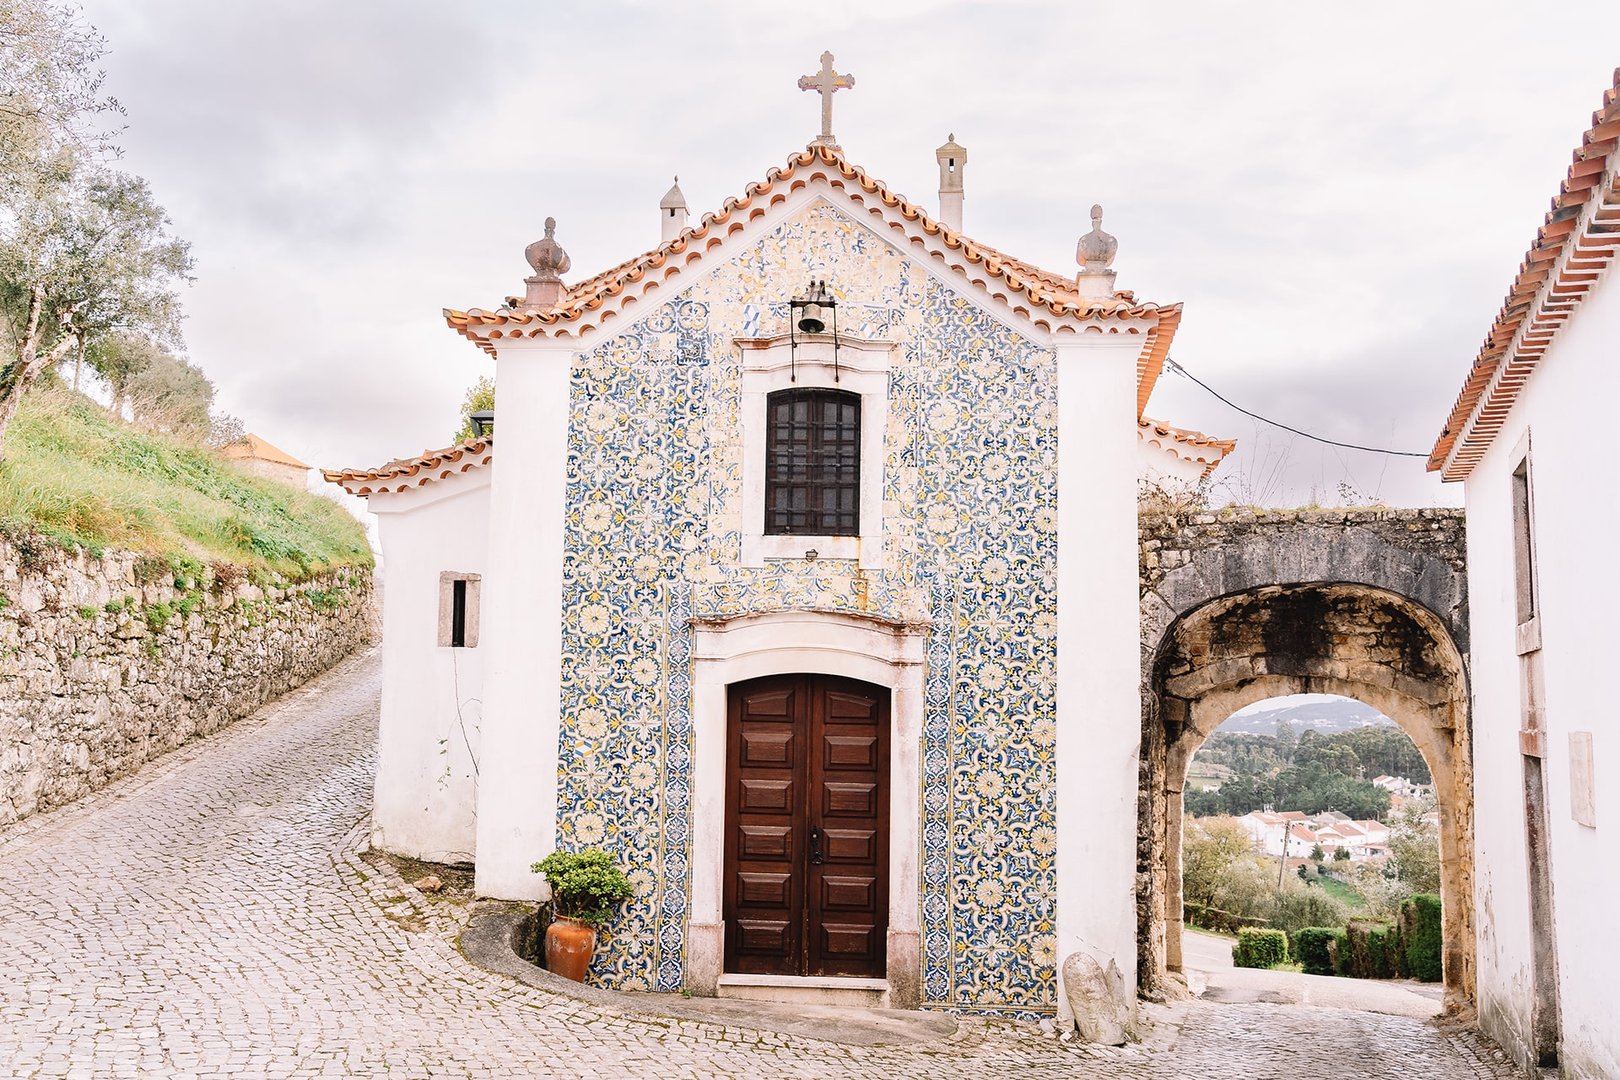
(801, 573)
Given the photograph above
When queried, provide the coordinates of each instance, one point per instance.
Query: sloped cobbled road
(209, 918)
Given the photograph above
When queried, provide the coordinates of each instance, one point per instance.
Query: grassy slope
(74, 473)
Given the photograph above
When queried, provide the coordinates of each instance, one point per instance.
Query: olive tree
(85, 250)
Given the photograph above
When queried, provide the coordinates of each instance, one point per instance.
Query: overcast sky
(1339, 193)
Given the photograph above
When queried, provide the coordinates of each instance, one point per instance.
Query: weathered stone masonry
(107, 663)
(1241, 605)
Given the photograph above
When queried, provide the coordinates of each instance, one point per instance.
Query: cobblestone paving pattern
(209, 918)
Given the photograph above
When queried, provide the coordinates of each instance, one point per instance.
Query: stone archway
(1258, 605)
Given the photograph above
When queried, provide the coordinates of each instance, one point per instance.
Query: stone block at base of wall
(108, 663)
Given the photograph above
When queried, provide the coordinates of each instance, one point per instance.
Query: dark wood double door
(807, 827)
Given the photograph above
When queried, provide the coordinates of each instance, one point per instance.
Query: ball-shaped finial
(546, 256)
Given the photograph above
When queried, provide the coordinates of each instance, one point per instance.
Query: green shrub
(158, 616)
(1312, 949)
(1258, 948)
(1421, 935)
(1368, 947)
(1339, 950)
(585, 885)
(86, 611)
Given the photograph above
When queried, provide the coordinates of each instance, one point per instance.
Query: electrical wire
(1185, 374)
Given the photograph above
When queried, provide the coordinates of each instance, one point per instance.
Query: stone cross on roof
(826, 82)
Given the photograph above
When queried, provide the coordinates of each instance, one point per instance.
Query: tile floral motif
(654, 538)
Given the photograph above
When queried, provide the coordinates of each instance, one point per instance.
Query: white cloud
(1340, 195)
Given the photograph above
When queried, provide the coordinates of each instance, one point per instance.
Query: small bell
(810, 320)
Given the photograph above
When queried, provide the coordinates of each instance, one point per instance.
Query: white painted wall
(523, 616)
(1566, 407)
(1099, 694)
(429, 738)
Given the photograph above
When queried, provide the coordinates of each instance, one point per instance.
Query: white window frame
(771, 364)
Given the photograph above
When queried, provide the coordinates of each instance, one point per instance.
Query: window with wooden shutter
(813, 463)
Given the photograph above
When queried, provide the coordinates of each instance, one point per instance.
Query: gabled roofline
(1045, 300)
(403, 474)
(1572, 249)
(1184, 443)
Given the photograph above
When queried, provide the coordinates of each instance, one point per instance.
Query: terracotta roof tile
(1034, 292)
(1578, 240)
(404, 473)
(1185, 443)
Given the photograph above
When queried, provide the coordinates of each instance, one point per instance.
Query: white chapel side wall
(1098, 698)
(428, 741)
(1575, 519)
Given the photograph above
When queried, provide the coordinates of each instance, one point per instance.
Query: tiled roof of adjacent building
(1185, 443)
(250, 446)
(1572, 249)
(1029, 290)
(403, 473)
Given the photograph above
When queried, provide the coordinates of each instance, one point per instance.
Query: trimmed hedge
(1257, 948)
(1213, 918)
(1313, 948)
(1421, 935)
(1369, 949)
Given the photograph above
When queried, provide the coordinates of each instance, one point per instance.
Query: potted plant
(586, 887)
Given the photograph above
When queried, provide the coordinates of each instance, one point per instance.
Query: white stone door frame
(865, 647)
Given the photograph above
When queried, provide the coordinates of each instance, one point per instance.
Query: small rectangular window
(1524, 544)
(458, 610)
(813, 463)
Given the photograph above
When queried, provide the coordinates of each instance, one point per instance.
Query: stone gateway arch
(1242, 605)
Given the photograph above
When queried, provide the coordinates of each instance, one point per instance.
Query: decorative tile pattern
(654, 537)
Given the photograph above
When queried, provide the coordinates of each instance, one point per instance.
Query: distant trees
(85, 250)
(480, 398)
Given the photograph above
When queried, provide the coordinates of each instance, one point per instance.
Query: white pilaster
(1099, 694)
(517, 785)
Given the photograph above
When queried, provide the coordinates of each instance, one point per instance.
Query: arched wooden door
(807, 827)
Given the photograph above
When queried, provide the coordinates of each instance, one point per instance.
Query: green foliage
(1311, 948)
(480, 398)
(158, 615)
(1339, 950)
(1312, 773)
(1422, 937)
(586, 885)
(1369, 949)
(86, 612)
(119, 606)
(1257, 948)
(76, 472)
(325, 599)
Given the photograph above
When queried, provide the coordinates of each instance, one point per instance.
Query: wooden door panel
(806, 859)
(850, 845)
(764, 894)
(850, 751)
(849, 945)
(847, 902)
(767, 796)
(848, 893)
(765, 842)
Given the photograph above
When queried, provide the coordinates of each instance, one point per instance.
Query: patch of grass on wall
(83, 478)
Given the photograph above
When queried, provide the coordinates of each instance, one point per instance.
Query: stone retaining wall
(109, 662)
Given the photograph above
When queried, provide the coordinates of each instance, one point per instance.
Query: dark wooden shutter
(813, 463)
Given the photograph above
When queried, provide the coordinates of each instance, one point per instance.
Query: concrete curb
(488, 942)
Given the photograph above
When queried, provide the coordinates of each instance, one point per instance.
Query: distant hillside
(1329, 716)
(85, 479)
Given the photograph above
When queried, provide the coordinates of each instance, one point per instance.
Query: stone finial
(1095, 252)
(672, 213)
(550, 262)
(952, 159)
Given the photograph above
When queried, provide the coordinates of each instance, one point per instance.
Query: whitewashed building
(1524, 440)
(764, 583)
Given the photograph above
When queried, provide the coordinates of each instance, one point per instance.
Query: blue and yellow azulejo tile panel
(654, 538)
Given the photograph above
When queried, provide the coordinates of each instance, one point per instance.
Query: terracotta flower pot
(569, 946)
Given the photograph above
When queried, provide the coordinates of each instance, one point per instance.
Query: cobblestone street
(210, 918)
